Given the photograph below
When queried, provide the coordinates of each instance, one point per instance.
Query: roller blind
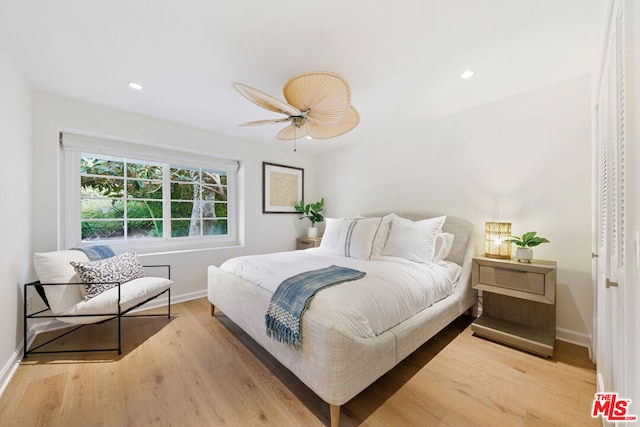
(144, 151)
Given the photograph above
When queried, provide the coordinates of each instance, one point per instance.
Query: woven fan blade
(317, 131)
(326, 96)
(266, 101)
(265, 122)
(292, 132)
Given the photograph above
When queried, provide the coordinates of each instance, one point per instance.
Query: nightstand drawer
(525, 281)
(307, 242)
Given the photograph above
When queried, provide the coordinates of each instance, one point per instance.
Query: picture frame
(282, 188)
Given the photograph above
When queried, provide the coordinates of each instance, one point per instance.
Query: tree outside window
(124, 199)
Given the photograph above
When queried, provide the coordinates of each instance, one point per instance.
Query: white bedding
(393, 290)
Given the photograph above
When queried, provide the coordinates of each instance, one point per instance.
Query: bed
(339, 357)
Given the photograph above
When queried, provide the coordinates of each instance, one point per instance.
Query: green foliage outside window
(119, 195)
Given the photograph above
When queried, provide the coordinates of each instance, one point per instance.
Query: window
(139, 197)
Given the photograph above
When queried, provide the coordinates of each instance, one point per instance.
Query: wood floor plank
(194, 369)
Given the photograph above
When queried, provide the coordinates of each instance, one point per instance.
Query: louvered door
(610, 168)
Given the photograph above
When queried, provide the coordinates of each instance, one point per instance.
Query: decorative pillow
(105, 274)
(444, 243)
(414, 241)
(331, 234)
(381, 235)
(356, 237)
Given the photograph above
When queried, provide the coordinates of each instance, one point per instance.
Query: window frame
(73, 146)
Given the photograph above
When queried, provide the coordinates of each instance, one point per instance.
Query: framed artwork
(282, 188)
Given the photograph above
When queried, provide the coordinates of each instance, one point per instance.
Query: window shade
(144, 151)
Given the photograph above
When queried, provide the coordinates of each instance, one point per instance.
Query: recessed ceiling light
(466, 74)
(135, 86)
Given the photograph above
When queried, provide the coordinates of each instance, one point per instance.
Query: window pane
(184, 191)
(183, 228)
(214, 227)
(144, 170)
(181, 210)
(214, 177)
(214, 193)
(214, 210)
(97, 166)
(101, 208)
(139, 189)
(221, 210)
(108, 187)
(144, 229)
(183, 173)
(102, 230)
(143, 209)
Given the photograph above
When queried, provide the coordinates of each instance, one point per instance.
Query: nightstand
(307, 242)
(518, 303)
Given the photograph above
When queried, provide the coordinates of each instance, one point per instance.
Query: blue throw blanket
(290, 300)
(97, 252)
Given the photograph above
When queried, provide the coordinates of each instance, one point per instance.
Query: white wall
(15, 215)
(525, 159)
(263, 233)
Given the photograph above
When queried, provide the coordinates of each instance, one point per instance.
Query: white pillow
(444, 243)
(331, 234)
(356, 237)
(411, 240)
(54, 267)
(381, 235)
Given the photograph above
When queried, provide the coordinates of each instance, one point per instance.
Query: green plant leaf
(526, 237)
(528, 240)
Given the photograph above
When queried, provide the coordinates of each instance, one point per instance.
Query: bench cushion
(55, 267)
(132, 293)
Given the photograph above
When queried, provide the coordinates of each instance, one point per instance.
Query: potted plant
(524, 253)
(312, 212)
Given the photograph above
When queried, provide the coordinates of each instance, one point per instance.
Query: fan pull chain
(295, 139)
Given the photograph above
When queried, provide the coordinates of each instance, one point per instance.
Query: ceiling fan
(318, 105)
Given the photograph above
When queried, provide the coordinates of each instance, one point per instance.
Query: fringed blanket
(290, 300)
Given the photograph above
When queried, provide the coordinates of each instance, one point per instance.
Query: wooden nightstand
(307, 242)
(518, 303)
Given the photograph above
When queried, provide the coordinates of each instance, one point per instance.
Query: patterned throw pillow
(105, 274)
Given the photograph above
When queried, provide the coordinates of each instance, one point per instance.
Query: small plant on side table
(524, 253)
(311, 211)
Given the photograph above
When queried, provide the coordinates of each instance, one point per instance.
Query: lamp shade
(496, 235)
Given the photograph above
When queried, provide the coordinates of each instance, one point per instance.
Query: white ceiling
(402, 58)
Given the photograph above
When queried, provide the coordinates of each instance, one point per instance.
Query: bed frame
(334, 363)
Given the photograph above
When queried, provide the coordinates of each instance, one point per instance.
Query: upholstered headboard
(460, 228)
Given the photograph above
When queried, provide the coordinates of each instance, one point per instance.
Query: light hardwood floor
(195, 370)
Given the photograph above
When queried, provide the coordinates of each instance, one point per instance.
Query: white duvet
(393, 289)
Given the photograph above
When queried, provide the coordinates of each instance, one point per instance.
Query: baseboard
(600, 384)
(573, 337)
(12, 364)
(9, 369)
